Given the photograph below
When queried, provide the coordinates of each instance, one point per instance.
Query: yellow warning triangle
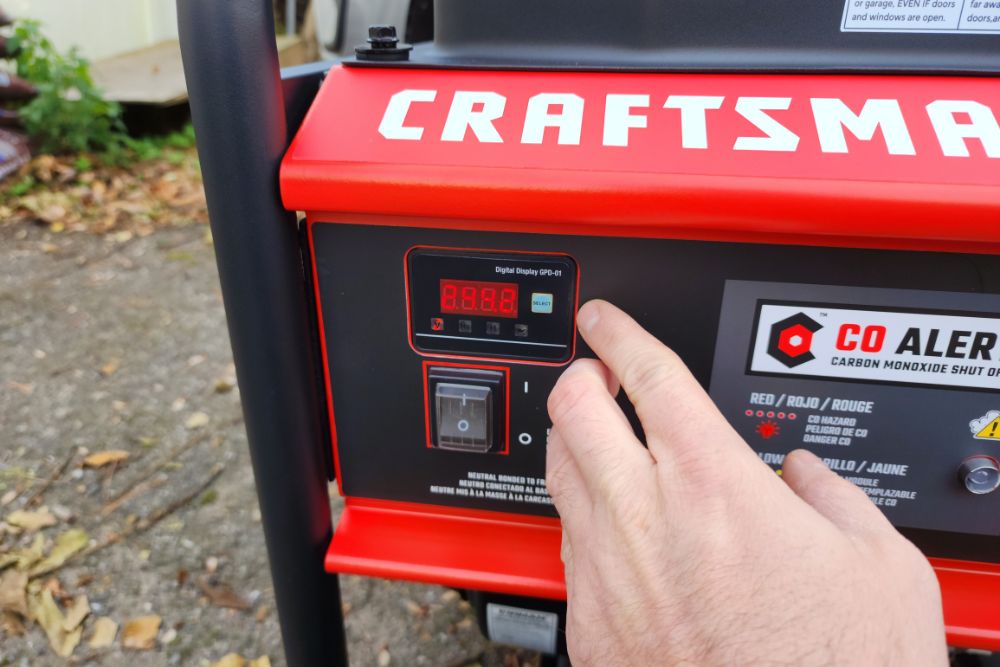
(991, 431)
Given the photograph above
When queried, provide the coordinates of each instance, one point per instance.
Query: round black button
(980, 474)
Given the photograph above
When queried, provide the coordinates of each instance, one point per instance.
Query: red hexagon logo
(792, 338)
(795, 340)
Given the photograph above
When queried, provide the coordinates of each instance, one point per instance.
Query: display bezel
(531, 337)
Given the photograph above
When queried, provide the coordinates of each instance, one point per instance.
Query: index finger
(669, 401)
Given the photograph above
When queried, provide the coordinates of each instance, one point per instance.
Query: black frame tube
(231, 66)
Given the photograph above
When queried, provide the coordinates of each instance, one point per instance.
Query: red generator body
(805, 208)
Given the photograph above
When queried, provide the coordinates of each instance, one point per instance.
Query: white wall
(101, 28)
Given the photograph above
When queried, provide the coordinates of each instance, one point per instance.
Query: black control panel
(884, 363)
(492, 305)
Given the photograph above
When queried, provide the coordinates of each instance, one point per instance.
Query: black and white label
(527, 628)
(928, 16)
(892, 388)
(878, 344)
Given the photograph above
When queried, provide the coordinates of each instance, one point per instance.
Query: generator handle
(237, 107)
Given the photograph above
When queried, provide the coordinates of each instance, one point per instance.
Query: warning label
(986, 427)
(528, 628)
(933, 16)
(894, 346)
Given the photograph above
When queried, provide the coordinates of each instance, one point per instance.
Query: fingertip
(589, 315)
(800, 461)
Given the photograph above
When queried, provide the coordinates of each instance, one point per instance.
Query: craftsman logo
(944, 349)
(559, 118)
(791, 339)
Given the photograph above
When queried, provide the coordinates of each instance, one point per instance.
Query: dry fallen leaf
(13, 592)
(104, 633)
(110, 368)
(108, 456)
(224, 385)
(22, 388)
(221, 595)
(45, 612)
(140, 633)
(67, 545)
(11, 624)
(262, 661)
(77, 611)
(231, 660)
(22, 559)
(384, 658)
(31, 521)
(262, 612)
(196, 420)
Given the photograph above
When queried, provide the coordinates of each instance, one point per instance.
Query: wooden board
(155, 75)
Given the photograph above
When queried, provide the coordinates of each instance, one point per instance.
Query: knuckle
(570, 397)
(646, 374)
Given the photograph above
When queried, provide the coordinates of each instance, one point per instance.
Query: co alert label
(937, 348)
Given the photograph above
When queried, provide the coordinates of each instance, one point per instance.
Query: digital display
(471, 297)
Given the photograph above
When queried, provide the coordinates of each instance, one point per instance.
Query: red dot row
(770, 414)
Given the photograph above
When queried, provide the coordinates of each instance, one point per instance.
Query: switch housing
(467, 409)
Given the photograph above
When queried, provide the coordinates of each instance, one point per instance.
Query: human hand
(693, 552)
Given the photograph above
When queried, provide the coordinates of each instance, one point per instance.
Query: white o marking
(524, 438)
(795, 341)
(463, 425)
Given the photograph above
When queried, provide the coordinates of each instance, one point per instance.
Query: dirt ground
(118, 342)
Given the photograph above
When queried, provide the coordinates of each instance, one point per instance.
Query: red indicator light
(470, 297)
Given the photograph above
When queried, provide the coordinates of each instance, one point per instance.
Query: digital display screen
(472, 297)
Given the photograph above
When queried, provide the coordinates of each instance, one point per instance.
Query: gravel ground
(120, 343)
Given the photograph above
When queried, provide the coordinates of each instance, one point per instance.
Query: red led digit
(449, 295)
(469, 293)
(488, 299)
(508, 301)
(472, 297)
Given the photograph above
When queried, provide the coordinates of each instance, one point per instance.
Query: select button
(541, 302)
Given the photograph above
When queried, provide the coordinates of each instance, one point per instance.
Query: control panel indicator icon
(465, 326)
(493, 328)
(437, 324)
(520, 330)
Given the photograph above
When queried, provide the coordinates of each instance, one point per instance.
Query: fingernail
(588, 316)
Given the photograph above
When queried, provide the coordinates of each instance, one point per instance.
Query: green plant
(69, 114)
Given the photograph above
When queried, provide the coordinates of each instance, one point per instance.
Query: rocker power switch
(464, 417)
(466, 410)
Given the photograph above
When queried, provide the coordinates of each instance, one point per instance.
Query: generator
(803, 201)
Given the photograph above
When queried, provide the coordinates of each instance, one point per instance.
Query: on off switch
(464, 416)
(467, 409)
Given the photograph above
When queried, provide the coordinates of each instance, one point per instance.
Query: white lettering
(618, 120)
(392, 126)
(833, 117)
(694, 134)
(952, 135)
(569, 120)
(462, 116)
(777, 136)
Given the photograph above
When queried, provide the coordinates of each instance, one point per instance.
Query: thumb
(840, 501)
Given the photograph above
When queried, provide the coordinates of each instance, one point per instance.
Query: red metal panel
(487, 551)
(340, 162)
